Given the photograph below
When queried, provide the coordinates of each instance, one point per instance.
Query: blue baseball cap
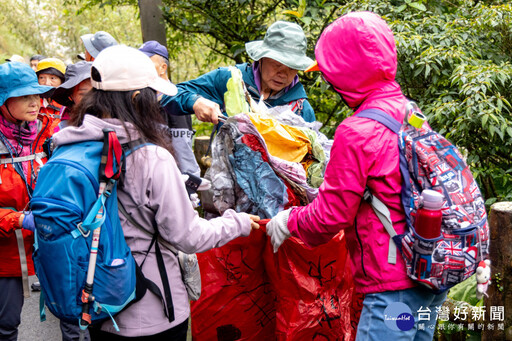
(152, 47)
(18, 79)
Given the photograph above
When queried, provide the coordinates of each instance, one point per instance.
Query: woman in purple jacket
(357, 56)
(153, 193)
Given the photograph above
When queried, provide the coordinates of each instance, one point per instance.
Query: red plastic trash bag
(315, 293)
(250, 293)
(237, 300)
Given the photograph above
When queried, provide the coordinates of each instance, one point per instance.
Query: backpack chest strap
(37, 156)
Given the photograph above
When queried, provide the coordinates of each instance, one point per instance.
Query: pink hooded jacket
(357, 55)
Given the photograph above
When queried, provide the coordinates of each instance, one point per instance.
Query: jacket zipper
(361, 246)
(65, 204)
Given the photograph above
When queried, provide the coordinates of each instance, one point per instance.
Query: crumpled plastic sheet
(266, 192)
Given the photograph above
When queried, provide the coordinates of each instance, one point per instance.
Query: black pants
(178, 333)
(11, 302)
(71, 332)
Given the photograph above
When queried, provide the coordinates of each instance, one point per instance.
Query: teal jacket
(212, 86)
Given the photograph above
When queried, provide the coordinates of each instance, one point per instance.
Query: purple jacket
(364, 153)
(154, 194)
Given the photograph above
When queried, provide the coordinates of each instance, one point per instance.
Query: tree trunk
(151, 21)
(500, 290)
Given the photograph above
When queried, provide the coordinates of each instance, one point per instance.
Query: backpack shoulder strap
(384, 216)
(132, 146)
(167, 300)
(378, 206)
(381, 117)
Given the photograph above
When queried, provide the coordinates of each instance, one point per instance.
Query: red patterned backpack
(429, 161)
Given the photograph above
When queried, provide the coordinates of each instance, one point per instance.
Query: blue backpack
(68, 208)
(429, 161)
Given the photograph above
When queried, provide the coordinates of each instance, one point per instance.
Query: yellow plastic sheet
(283, 141)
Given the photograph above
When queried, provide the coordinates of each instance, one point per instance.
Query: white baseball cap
(123, 68)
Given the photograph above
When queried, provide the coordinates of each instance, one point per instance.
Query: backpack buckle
(82, 231)
(367, 195)
(108, 188)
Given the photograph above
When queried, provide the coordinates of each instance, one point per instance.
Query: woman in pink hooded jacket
(357, 56)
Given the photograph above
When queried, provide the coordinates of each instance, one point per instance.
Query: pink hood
(357, 55)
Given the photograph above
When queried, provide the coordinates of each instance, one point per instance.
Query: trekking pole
(104, 179)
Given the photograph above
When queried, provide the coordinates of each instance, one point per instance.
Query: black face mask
(339, 94)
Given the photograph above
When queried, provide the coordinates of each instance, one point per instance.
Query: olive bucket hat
(18, 79)
(284, 42)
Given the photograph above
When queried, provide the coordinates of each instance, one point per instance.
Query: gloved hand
(205, 185)
(195, 184)
(194, 199)
(28, 221)
(277, 229)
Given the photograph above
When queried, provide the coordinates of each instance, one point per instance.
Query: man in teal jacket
(272, 77)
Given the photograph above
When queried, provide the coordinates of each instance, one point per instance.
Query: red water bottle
(429, 217)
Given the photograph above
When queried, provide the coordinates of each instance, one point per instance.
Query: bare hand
(254, 221)
(206, 110)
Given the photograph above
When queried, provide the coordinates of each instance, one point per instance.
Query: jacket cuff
(14, 220)
(191, 101)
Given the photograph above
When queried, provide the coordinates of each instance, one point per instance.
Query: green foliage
(454, 60)
(53, 27)
(20, 22)
(228, 24)
(456, 64)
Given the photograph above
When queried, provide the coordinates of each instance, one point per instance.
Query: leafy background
(454, 56)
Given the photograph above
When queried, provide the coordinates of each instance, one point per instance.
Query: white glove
(205, 185)
(277, 229)
(194, 199)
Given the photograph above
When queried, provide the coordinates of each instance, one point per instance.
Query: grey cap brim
(61, 93)
(256, 51)
(41, 90)
(86, 39)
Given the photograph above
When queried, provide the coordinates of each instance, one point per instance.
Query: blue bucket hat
(18, 79)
